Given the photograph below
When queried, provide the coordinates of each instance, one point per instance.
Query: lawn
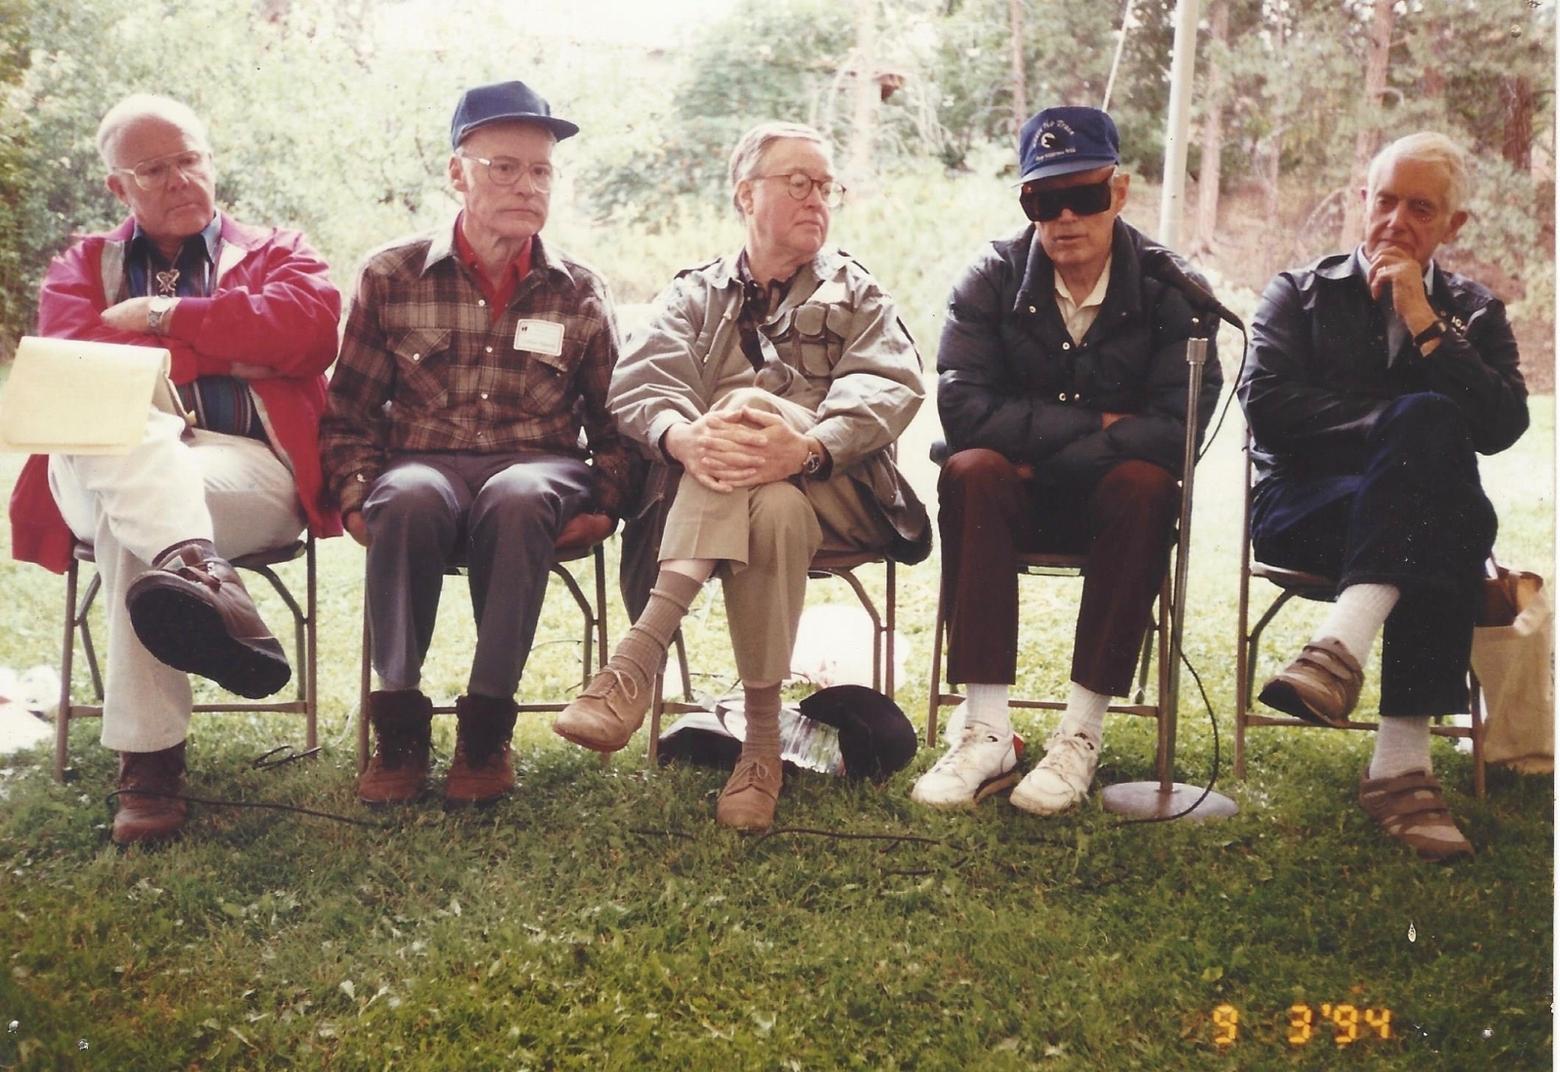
(599, 919)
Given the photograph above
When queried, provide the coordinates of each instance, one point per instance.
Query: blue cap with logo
(502, 101)
(1060, 141)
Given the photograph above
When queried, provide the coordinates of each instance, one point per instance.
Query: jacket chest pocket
(418, 357)
(544, 382)
(812, 337)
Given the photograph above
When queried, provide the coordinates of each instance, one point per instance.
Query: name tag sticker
(539, 337)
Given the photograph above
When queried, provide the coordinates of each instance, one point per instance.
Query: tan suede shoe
(748, 801)
(606, 715)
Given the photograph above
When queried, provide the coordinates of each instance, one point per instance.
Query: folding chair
(838, 564)
(593, 638)
(305, 701)
(1291, 584)
(1158, 641)
(1161, 798)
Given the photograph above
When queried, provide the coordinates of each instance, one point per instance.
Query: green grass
(599, 919)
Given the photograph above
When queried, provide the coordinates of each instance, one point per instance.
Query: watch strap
(1434, 331)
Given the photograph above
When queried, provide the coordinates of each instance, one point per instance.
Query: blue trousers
(499, 515)
(1414, 516)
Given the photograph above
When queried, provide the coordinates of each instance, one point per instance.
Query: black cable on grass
(1213, 775)
(280, 756)
(262, 804)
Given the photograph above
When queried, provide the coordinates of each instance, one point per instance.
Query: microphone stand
(1166, 797)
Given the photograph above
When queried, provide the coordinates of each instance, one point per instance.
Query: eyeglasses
(800, 186)
(1042, 206)
(154, 174)
(506, 171)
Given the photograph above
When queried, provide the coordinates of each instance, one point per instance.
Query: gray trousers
(499, 515)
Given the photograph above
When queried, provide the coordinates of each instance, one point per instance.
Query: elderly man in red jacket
(249, 316)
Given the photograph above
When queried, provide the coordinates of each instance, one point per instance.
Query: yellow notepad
(65, 396)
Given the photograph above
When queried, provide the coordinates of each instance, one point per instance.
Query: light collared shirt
(1079, 316)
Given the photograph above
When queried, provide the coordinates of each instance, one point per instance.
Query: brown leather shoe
(481, 771)
(1322, 685)
(148, 811)
(193, 613)
(398, 769)
(607, 713)
(747, 803)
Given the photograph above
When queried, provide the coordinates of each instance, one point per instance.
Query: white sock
(1085, 713)
(1358, 615)
(986, 709)
(1402, 745)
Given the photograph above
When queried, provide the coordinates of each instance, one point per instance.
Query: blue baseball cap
(1060, 141)
(503, 101)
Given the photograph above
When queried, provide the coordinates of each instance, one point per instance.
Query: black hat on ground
(876, 739)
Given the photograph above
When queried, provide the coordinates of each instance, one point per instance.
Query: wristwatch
(157, 314)
(813, 462)
(1434, 331)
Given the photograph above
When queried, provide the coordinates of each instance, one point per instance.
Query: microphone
(1158, 263)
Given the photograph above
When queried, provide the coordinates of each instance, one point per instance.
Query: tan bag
(1513, 657)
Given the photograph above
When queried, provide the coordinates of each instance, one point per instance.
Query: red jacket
(273, 304)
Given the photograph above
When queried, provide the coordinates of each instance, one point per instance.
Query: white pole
(1178, 123)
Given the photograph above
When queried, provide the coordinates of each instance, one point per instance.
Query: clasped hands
(740, 449)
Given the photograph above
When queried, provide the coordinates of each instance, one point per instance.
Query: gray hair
(1428, 147)
(751, 147)
(140, 106)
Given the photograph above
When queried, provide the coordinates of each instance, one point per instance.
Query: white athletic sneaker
(1061, 779)
(976, 766)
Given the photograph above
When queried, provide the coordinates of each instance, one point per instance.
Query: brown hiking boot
(193, 613)
(747, 803)
(398, 769)
(481, 771)
(148, 811)
(605, 715)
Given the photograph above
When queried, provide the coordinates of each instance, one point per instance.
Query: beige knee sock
(644, 646)
(761, 707)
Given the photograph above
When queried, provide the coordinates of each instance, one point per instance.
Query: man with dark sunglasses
(1062, 392)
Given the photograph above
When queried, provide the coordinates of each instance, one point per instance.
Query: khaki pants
(764, 539)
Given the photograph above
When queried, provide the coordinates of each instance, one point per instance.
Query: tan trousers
(764, 539)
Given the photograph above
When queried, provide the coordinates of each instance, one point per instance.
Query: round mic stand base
(1151, 800)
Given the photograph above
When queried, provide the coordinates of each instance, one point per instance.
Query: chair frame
(593, 639)
(305, 645)
(1157, 639)
(838, 564)
(1311, 586)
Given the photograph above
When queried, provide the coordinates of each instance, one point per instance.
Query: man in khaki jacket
(778, 380)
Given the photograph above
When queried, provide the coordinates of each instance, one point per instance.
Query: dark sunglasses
(1042, 206)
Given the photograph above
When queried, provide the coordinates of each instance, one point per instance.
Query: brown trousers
(990, 512)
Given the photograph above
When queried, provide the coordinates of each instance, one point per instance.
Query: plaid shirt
(423, 367)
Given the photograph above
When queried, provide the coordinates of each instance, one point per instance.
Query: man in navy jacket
(1062, 391)
(1375, 376)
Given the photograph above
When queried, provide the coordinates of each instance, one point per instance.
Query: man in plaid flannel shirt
(472, 359)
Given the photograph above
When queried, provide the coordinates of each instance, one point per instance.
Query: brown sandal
(1410, 808)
